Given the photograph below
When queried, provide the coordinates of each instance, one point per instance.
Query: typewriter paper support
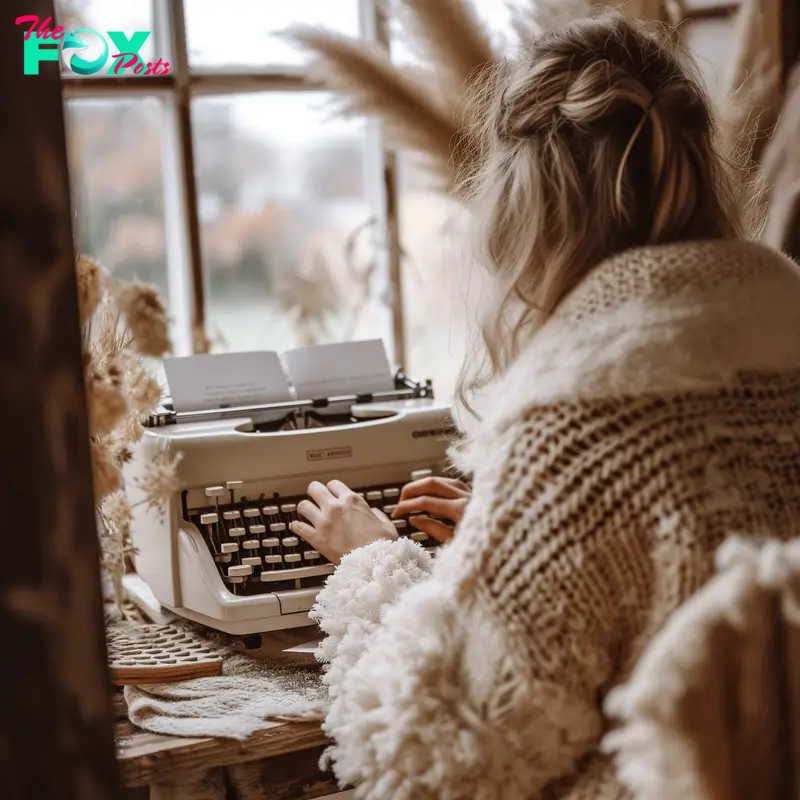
(223, 555)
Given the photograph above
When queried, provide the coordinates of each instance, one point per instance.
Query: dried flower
(105, 469)
(146, 317)
(106, 399)
(90, 286)
(132, 431)
(144, 391)
(160, 480)
(117, 515)
(114, 517)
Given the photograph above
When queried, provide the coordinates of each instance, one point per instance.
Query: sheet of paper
(327, 370)
(220, 380)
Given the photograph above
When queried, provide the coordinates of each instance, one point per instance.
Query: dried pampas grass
(368, 83)
(451, 39)
(159, 481)
(145, 315)
(121, 324)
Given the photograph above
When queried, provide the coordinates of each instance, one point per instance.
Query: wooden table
(293, 750)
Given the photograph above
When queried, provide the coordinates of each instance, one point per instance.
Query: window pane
(286, 223)
(436, 245)
(711, 42)
(116, 171)
(246, 32)
(91, 20)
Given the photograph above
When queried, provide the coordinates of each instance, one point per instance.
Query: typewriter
(222, 554)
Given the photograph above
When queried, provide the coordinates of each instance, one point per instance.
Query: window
(228, 182)
(262, 216)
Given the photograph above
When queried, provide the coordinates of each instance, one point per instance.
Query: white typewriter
(223, 555)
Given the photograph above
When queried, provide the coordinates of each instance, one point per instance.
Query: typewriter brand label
(326, 455)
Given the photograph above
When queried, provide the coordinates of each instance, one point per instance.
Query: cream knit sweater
(657, 412)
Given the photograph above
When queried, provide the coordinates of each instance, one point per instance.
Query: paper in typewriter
(329, 370)
(223, 380)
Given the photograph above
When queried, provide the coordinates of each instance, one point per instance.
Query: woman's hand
(445, 498)
(337, 521)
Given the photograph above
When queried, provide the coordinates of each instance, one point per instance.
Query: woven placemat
(145, 654)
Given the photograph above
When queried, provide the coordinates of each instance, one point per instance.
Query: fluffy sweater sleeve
(481, 681)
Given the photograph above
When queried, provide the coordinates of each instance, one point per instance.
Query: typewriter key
(272, 541)
(236, 532)
(277, 527)
(230, 547)
(270, 511)
(272, 549)
(292, 558)
(419, 536)
(252, 561)
(290, 541)
(251, 544)
(392, 493)
(271, 563)
(419, 474)
(240, 571)
(257, 530)
(249, 513)
(312, 555)
(212, 535)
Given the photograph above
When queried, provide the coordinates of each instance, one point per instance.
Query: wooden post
(55, 700)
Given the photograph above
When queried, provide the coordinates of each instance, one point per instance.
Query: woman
(644, 403)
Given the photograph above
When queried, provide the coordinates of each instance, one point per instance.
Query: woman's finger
(307, 509)
(435, 529)
(305, 531)
(425, 504)
(319, 493)
(338, 489)
(433, 486)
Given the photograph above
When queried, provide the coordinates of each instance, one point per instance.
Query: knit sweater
(657, 412)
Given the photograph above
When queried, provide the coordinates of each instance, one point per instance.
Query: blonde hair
(599, 140)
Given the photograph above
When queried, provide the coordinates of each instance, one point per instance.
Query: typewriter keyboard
(256, 552)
